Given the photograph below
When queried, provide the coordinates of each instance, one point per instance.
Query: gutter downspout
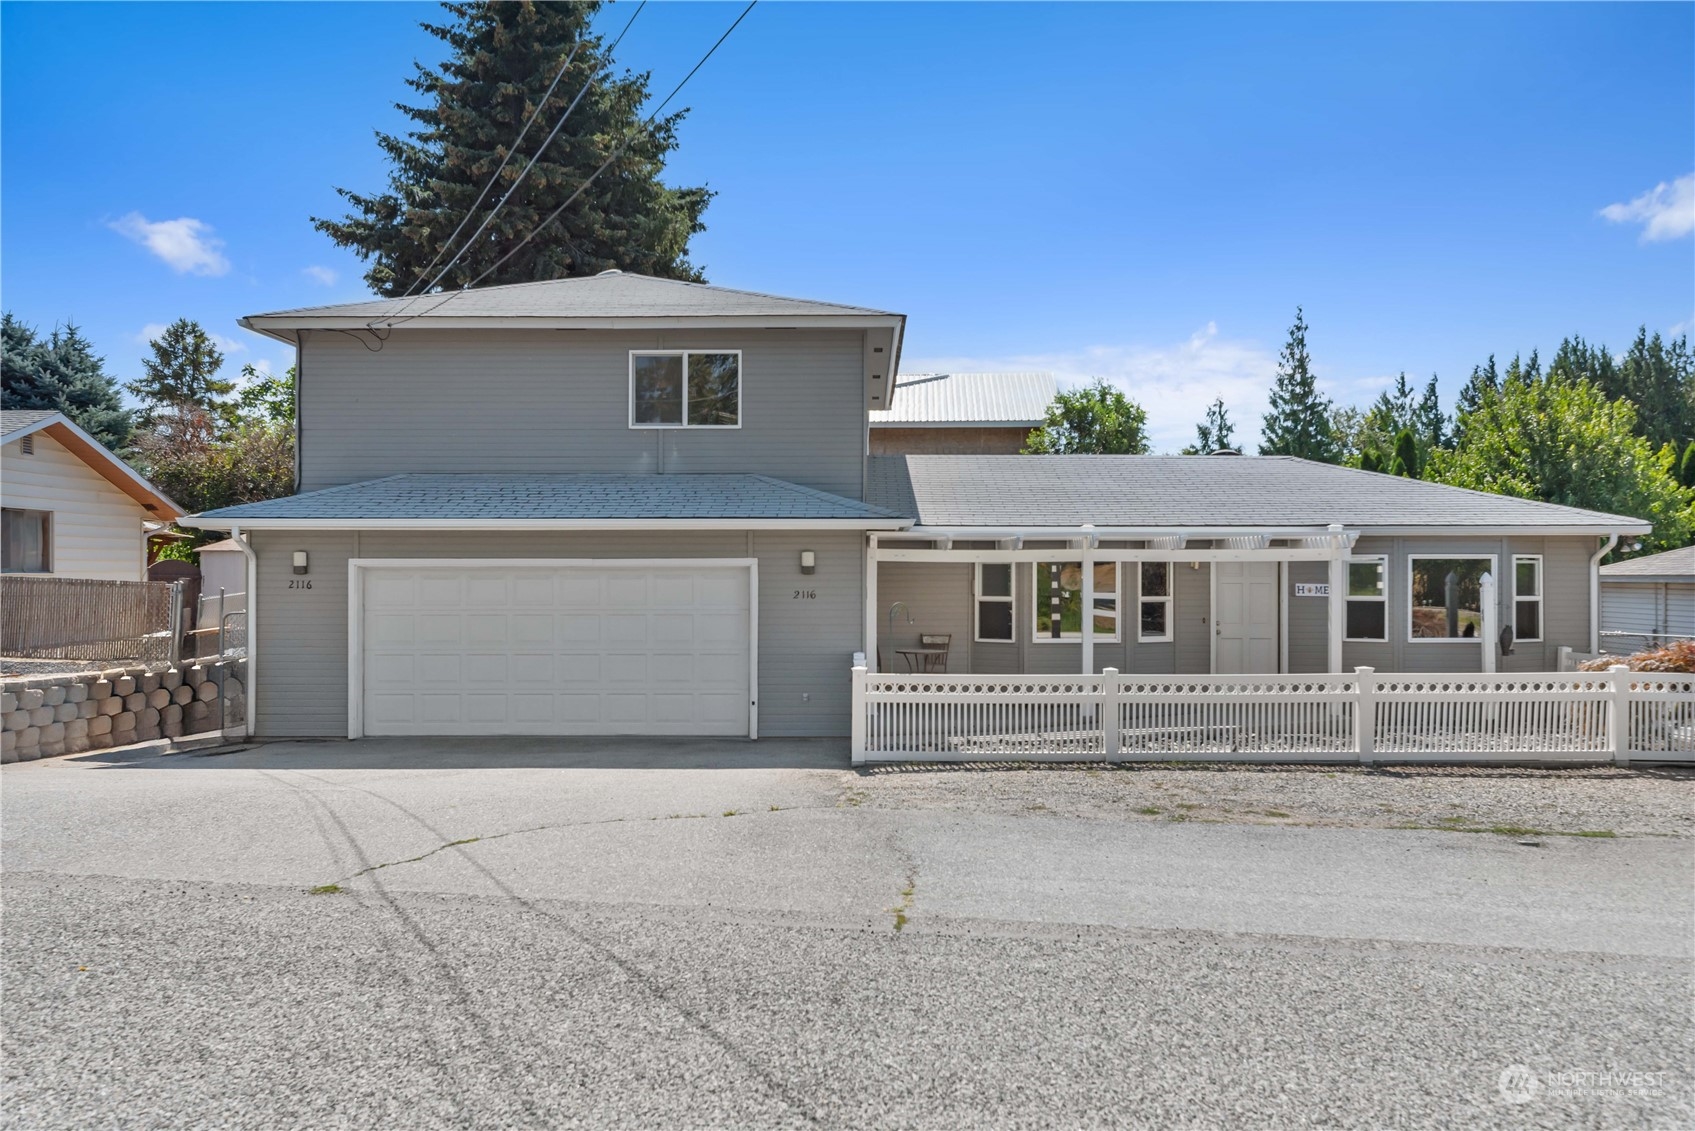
(1595, 592)
(252, 716)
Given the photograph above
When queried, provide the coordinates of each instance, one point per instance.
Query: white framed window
(1153, 601)
(994, 602)
(685, 388)
(26, 541)
(1527, 597)
(1367, 599)
(1057, 606)
(1445, 596)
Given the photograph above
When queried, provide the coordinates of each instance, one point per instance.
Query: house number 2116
(805, 595)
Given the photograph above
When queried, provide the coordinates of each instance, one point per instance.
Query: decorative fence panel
(77, 618)
(1588, 717)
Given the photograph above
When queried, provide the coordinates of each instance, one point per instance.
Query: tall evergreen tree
(1577, 360)
(504, 57)
(1406, 463)
(1659, 376)
(1484, 379)
(183, 371)
(1215, 433)
(1686, 469)
(1299, 421)
(1429, 423)
(64, 374)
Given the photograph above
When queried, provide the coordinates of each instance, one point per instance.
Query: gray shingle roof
(1197, 491)
(17, 419)
(612, 295)
(576, 497)
(969, 398)
(1671, 565)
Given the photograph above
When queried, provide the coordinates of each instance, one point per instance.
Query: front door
(1244, 608)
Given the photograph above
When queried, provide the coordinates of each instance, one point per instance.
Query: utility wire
(394, 320)
(507, 195)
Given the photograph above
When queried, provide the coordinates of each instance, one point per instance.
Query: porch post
(1088, 603)
(1338, 605)
(871, 603)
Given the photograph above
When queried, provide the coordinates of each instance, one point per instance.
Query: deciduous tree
(1097, 419)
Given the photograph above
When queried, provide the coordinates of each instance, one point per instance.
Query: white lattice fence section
(1548, 716)
(1279, 717)
(1613, 716)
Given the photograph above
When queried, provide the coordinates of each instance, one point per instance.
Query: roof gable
(15, 424)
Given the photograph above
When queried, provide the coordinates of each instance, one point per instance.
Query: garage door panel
(566, 650)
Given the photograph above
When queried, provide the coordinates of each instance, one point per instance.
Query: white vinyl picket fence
(1588, 717)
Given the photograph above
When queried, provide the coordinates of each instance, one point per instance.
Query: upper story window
(685, 389)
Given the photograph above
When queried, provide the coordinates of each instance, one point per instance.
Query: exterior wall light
(300, 561)
(808, 561)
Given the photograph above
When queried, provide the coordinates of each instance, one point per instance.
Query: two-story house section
(625, 505)
(604, 505)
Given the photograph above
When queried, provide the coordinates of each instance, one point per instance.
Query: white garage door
(602, 649)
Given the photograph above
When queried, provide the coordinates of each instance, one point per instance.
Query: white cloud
(149, 332)
(1175, 383)
(186, 244)
(325, 275)
(1666, 211)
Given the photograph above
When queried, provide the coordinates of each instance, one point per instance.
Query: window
(1058, 606)
(685, 389)
(1447, 597)
(994, 601)
(1153, 600)
(1368, 599)
(1527, 597)
(25, 541)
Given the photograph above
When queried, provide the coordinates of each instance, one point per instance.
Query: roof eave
(103, 462)
(215, 522)
(277, 325)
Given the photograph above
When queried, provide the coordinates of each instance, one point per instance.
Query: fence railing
(1607, 716)
(78, 618)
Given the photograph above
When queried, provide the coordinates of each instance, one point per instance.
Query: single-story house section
(1648, 601)
(72, 508)
(962, 413)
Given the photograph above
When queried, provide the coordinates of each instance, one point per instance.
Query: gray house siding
(559, 401)
(806, 645)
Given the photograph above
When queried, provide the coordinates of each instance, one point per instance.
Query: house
(72, 508)
(1648, 601)
(628, 505)
(962, 413)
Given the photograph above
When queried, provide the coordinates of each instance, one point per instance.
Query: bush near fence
(47, 715)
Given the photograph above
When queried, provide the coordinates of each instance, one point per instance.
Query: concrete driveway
(632, 933)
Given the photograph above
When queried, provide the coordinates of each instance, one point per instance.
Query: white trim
(869, 632)
(1382, 561)
(200, 522)
(1057, 556)
(1494, 567)
(1104, 554)
(281, 325)
(1595, 591)
(1169, 600)
(684, 423)
(1010, 600)
(1501, 531)
(1541, 607)
(252, 606)
(356, 596)
(107, 457)
(1283, 597)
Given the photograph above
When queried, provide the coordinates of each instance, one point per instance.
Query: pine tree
(183, 371)
(65, 375)
(1299, 421)
(1483, 381)
(1215, 433)
(1659, 377)
(1576, 359)
(1429, 422)
(503, 59)
(1406, 463)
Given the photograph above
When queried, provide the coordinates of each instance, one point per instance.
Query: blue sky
(1141, 192)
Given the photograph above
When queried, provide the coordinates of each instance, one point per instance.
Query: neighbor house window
(1368, 599)
(1527, 597)
(994, 601)
(24, 541)
(1058, 604)
(1447, 597)
(1153, 601)
(686, 389)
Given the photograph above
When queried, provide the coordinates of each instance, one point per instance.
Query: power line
(507, 195)
(394, 320)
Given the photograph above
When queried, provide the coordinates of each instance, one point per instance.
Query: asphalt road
(520, 934)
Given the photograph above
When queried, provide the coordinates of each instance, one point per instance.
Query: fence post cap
(1364, 670)
(1618, 667)
(860, 669)
(1109, 671)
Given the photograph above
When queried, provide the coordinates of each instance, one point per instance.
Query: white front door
(1244, 614)
(619, 648)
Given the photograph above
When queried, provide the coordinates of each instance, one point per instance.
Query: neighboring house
(962, 413)
(72, 508)
(1648, 601)
(627, 505)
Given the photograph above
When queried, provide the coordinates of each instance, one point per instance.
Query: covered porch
(1081, 600)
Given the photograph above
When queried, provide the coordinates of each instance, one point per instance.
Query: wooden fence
(79, 618)
(1361, 717)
